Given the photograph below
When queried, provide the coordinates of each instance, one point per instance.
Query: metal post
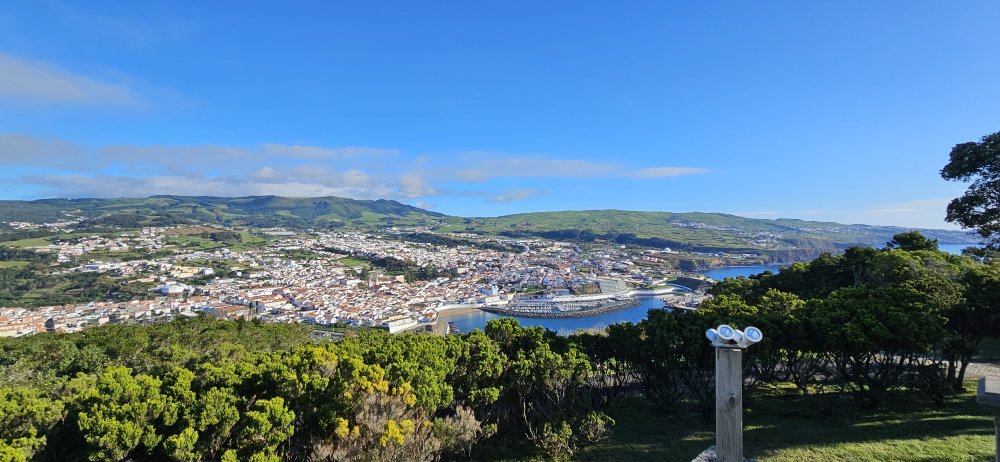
(729, 404)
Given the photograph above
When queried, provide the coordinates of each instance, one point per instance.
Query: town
(332, 279)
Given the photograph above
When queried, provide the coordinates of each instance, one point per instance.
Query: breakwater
(556, 313)
(559, 307)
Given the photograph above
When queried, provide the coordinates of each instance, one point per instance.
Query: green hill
(253, 211)
(705, 232)
(778, 240)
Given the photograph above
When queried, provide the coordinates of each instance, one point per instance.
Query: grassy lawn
(194, 242)
(34, 242)
(252, 239)
(351, 262)
(206, 262)
(13, 264)
(781, 427)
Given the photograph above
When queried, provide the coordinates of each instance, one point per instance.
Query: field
(194, 242)
(13, 264)
(781, 427)
(24, 243)
(351, 262)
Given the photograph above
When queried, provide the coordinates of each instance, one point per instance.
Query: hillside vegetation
(696, 231)
(777, 240)
(257, 211)
(835, 378)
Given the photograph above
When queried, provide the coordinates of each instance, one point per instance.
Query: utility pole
(729, 344)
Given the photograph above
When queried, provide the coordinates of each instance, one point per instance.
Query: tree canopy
(979, 208)
(865, 326)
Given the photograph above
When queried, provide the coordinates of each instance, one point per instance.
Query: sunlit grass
(24, 243)
(779, 426)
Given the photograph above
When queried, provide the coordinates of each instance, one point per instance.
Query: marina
(549, 308)
(565, 325)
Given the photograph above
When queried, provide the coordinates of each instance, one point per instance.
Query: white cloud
(514, 195)
(413, 186)
(35, 82)
(178, 159)
(664, 172)
(265, 173)
(355, 178)
(126, 186)
(284, 169)
(314, 152)
(16, 149)
(481, 167)
(484, 166)
(919, 206)
(136, 32)
(923, 213)
(890, 210)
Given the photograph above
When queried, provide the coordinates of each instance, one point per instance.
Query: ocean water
(955, 249)
(564, 326)
(735, 271)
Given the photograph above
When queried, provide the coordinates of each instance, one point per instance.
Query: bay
(563, 326)
(955, 249)
(735, 271)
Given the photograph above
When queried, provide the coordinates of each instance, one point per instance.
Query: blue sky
(841, 111)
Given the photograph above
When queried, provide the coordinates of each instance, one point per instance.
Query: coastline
(453, 312)
(632, 303)
(450, 311)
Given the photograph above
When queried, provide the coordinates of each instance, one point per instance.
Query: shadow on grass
(644, 432)
(782, 426)
(773, 425)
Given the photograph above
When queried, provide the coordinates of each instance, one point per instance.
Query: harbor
(551, 308)
(566, 325)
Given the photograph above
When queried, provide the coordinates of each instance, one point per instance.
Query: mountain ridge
(694, 231)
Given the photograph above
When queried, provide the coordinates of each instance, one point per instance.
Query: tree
(266, 426)
(873, 337)
(912, 241)
(977, 317)
(979, 207)
(462, 431)
(117, 413)
(25, 417)
(670, 356)
(478, 366)
(547, 388)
